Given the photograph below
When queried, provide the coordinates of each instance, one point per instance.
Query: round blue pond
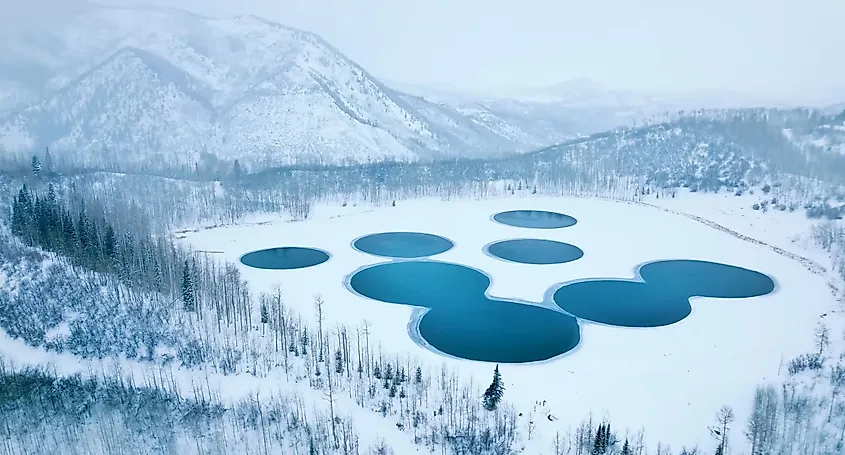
(662, 298)
(461, 320)
(534, 251)
(285, 258)
(535, 219)
(403, 244)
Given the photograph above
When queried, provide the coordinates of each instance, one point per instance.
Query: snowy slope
(149, 83)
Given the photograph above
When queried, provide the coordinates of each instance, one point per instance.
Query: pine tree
(158, 276)
(82, 235)
(602, 442)
(23, 222)
(305, 341)
(95, 251)
(338, 361)
(418, 376)
(494, 393)
(626, 449)
(71, 240)
(598, 442)
(48, 162)
(188, 292)
(18, 221)
(237, 171)
(36, 166)
(110, 249)
(265, 312)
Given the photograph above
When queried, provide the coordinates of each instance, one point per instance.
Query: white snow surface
(669, 380)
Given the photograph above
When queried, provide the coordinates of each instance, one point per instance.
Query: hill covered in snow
(110, 85)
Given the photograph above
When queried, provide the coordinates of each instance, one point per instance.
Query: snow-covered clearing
(670, 380)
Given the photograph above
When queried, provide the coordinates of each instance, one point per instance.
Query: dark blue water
(663, 297)
(403, 244)
(535, 219)
(535, 251)
(461, 320)
(285, 258)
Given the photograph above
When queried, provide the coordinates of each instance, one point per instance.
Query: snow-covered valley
(720, 352)
(714, 357)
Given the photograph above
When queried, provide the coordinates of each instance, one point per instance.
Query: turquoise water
(403, 244)
(463, 322)
(663, 296)
(285, 258)
(535, 251)
(535, 219)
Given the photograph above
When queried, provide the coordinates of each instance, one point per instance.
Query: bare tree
(762, 425)
(318, 304)
(822, 338)
(724, 418)
(837, 380)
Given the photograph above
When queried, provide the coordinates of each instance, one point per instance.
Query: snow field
(669, 380)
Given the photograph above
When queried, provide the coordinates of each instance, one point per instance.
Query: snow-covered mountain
(135, 85)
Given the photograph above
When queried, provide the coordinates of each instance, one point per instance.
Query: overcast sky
(761, 46)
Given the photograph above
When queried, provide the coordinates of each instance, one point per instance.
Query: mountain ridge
(271, 94)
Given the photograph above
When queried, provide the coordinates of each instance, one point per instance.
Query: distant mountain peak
(122, 84)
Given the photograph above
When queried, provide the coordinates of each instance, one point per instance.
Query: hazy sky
(761, 46)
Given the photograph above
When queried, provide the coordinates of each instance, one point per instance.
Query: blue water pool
(535, 219)
(662, 297)
(403, 244)
(461, 320)
(458, 319)
(285, 258)
(534, 251)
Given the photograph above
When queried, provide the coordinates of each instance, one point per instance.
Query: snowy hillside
(149, 83)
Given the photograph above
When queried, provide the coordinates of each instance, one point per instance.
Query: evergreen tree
(110, 249)
(265, 313)
(23, 221)
(418, 376)
(494, 393)
(47, 168)
(95, 248)
(82, 233)
(36, 166)
(188, 292)
(237, 171)
(69, 233)
(626, 449)
(304, 341)
(18, 221)
(158, 276)
(598, 448)
(602, 442)
(338, 361)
